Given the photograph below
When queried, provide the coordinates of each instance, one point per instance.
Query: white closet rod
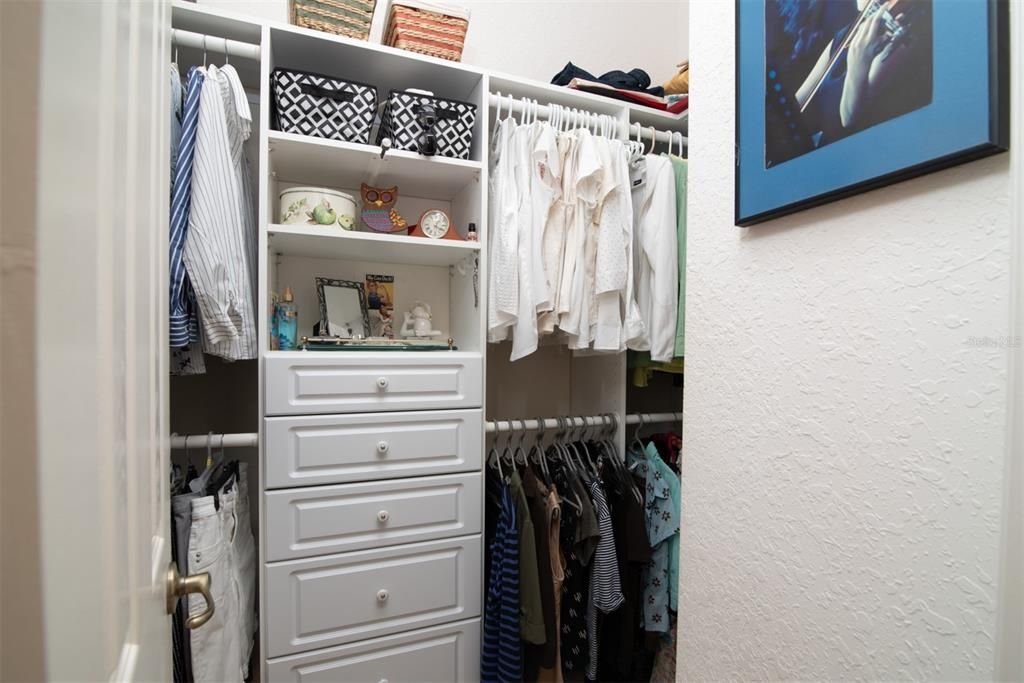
(200, 41)
(251, 439)
(575, 115)
(505, 426)
(243, 440)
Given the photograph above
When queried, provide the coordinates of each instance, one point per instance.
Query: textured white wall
(535, 38)
(844, 438)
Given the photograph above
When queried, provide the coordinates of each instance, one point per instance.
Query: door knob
(179, 586)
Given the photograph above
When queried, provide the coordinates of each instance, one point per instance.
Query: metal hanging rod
(242, 440)
(582, 117)
(201, 41)
(576, 421)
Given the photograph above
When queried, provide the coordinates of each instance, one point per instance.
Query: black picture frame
(998, 82)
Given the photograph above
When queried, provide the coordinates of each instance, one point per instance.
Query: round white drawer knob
(383, 516)
(382, 382)
(382, 447)
(382, 595)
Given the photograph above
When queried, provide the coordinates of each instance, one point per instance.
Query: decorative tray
(374, 344)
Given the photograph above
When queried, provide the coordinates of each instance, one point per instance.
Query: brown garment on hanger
(554, 514)
(537, 656)
(531, 616)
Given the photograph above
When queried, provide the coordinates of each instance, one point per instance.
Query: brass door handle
(179, 586)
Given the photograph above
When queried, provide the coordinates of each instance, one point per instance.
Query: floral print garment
(662, 517)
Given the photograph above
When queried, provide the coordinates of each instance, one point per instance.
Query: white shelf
(546, 93)
(328, 243)
(384, 67)
(334, 163)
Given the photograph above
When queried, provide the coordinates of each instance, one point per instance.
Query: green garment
(679, 165)
(644, 368)
(531, 616)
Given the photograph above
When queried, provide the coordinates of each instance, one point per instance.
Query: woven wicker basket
(350, 18)
(428, 29)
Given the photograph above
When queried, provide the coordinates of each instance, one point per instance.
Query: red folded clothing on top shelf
(674, 104)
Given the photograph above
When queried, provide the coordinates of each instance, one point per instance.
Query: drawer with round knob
(312, 383)
(336, 449)
(438, 654)
(337, 599)
(329, 519)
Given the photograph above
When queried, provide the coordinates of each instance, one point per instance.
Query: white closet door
(102, 206)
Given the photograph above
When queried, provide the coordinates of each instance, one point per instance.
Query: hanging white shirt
(656, 257)
(614, 269)
(503, 274)
(218, 248)
(587, 186)
(524, 333)
(545, 188)
(555, 229)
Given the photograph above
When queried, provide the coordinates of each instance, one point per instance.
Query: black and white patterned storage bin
(402, 122)
(307, 103)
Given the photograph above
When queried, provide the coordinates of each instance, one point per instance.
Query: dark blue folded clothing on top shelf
(635, 79)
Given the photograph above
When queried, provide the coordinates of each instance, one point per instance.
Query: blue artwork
(836, 97)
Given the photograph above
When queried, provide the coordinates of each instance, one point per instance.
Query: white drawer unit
(440, 654)
(332, 519)
(308, 383)
(334, 449)
(338, 599)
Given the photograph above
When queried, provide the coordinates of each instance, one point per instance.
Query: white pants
(216, 645)
(243, 549)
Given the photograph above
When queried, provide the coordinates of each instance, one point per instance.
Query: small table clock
(435, 224)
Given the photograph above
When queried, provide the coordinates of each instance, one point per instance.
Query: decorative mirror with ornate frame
(342, 309)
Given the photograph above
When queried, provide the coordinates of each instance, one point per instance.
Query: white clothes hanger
(497, 108)
(227, 60)
(654, 137)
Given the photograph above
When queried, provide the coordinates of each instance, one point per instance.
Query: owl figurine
(379, 212)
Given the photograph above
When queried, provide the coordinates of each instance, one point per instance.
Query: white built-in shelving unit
(435, 402)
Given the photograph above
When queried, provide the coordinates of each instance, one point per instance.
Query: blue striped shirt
(181, 199)
(500, 655)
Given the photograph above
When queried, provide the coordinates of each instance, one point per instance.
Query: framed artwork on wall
(837, 97)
